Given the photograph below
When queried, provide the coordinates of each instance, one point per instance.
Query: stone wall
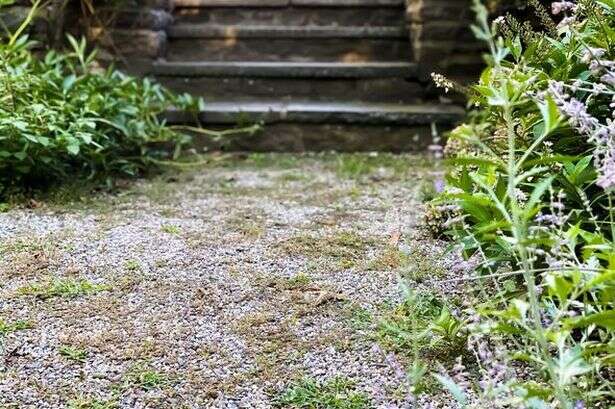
(441, 38)
(136, 31)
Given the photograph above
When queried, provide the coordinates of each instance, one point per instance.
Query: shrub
(532, 191)
(63, 115)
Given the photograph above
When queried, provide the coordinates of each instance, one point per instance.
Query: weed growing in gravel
(132, 265)
(268, 160)
(423, 324)
(27, 245)
(170, 229)
(9, 327)
(73, 353)
(337, 393)
(62, 287)
(343, 247)
(297, 282)
(146, 379)
(357, 166)
(358, 318)
(390, 259)
(92, 403)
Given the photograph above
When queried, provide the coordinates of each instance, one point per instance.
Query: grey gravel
(196, 277)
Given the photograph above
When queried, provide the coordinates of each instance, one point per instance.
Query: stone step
(212, 89)
(231, 32)
(260, 69)
(292, 16)
(289, 49)
(287, 3)
(310, 112)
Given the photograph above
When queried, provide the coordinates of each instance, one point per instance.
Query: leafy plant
(532, 187)
(336, 393)
(63, 115)
(73, 353)
(60, 287)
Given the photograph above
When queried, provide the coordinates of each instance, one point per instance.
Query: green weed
(9, 327)
(93, 403)
(62, 287)
(336, 393)
(73, 353)
(170, 229)
(146, 379)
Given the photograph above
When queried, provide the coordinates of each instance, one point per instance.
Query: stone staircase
(321, 74)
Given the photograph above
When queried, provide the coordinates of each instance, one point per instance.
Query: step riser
(288, 3)
(326, 137)
(390, 90)
(293, 16)
(214, 31)
(328, 50)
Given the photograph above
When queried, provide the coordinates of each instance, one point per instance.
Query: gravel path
(216, 287)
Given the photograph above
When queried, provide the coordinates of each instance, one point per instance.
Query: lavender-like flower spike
(602, 136)
(558, 7)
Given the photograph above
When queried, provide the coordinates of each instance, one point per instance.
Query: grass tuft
(10, 327)
(336, 393)
(62, 287)
(73, 353)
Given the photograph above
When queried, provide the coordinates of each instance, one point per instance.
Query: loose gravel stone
(198, 302)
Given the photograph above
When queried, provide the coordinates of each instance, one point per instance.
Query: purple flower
(560, 6)
(438, 185)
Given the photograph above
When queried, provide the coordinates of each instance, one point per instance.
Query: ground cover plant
(62, 115)
(530, 202)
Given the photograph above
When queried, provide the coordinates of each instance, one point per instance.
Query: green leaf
(604, 319)
(68, 82)
(73, 148)
(538, 191)
(550, 115)
(453, 388)
(569, 365)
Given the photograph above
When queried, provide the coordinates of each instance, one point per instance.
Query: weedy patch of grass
(62, 287)
(247, 225)
(146, 379)
(170, 229)
(358, 165)
(296, 282)
(336, 393)
(389, 259)
(423, 325)
(83, 402)
(28, 245)
(269, 160)
(73, 353)
(10, 327)
(132, 265)
(345, 247)
(358, 318)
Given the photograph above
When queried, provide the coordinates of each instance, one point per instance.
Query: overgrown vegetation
(530, 201)
(63, 115)
(336, 393)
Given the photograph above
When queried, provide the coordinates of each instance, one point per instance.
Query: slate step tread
(187, 30)
(285, 69)
(322, 112)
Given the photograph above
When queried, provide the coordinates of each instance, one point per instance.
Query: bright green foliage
(146, 379)
(8, 327)
(62, 115)
(530, 183)
(60, 287)
(336, 393)
(74, 354)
